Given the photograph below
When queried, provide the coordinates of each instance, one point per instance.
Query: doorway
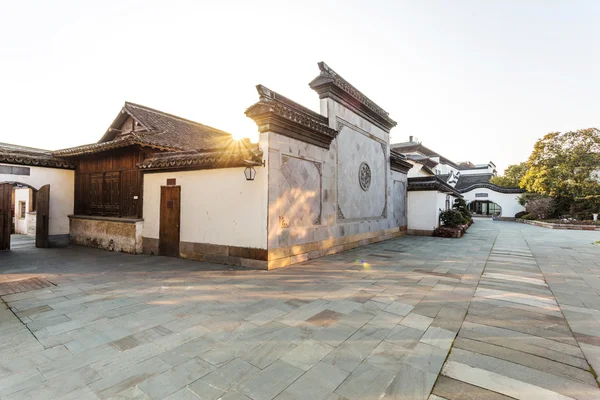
(24, 215)
(170, 214)
(485, 208)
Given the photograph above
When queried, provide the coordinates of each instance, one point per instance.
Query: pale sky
(474, 80)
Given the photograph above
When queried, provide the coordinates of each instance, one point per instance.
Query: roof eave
(329, 84)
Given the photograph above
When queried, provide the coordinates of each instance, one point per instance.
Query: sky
(472, 80)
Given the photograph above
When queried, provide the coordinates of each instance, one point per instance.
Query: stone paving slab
(508, 311)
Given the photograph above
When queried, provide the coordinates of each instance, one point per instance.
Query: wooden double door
(42, 224)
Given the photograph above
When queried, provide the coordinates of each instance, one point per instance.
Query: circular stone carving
(364, 176)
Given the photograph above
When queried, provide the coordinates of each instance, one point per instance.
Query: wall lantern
(250, 173)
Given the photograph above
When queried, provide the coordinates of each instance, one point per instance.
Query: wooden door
(168, 237)
(5, 215)
(42, 223)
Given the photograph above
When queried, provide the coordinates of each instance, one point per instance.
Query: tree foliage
(452, 218)
(460, 205)
(565, 165)
(512, 176)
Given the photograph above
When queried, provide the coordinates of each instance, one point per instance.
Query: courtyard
(508, 311)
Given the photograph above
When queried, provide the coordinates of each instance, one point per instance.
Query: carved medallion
(364, 176)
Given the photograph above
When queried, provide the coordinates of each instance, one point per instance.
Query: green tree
(565, 166)
(460, 205)
(512, 175)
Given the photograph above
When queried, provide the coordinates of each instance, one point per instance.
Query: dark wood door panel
(42, 225)
(5, 215)
(170, 203)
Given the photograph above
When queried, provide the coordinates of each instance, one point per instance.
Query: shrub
(540, 208)
(452, 218)
(528, 217)
(446, 232)
(460, 205)
(520, 214)
(583, 207)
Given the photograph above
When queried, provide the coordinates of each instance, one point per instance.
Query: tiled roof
(276, 113)
(467, 183)
(330, 84)
(418, 158)
(411, 147)
(469, 180)
(238, 155)
(398, 162)
(21, 155)
(172, 131)
(423, 183)
(110, 145)
(156, 129)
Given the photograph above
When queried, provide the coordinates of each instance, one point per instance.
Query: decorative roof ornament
(276, 113)
(329, 84)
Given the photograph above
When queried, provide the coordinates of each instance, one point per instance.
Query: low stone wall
(551, 225)
(276, 258)
(113, 234)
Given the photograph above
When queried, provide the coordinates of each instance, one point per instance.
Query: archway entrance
(24, 209)
(484, 208)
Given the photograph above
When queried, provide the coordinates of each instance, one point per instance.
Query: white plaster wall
(62, 195)
(441, 202)
(218, 206)
(423, 210)
(508, 201)
(21, 194)
(417, 170)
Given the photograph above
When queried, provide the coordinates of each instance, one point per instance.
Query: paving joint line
(591, 369)
(463, 321)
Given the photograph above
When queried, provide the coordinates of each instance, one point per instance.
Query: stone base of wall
(282, 257)
(420, 232)
(276, 258)
(113, 234)
(215, 253)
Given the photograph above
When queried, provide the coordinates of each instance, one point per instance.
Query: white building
(24, 173)
(469, 181)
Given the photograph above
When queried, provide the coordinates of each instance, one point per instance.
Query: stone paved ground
(509, 311)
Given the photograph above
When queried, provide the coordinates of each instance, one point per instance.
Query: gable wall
(316, 204)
